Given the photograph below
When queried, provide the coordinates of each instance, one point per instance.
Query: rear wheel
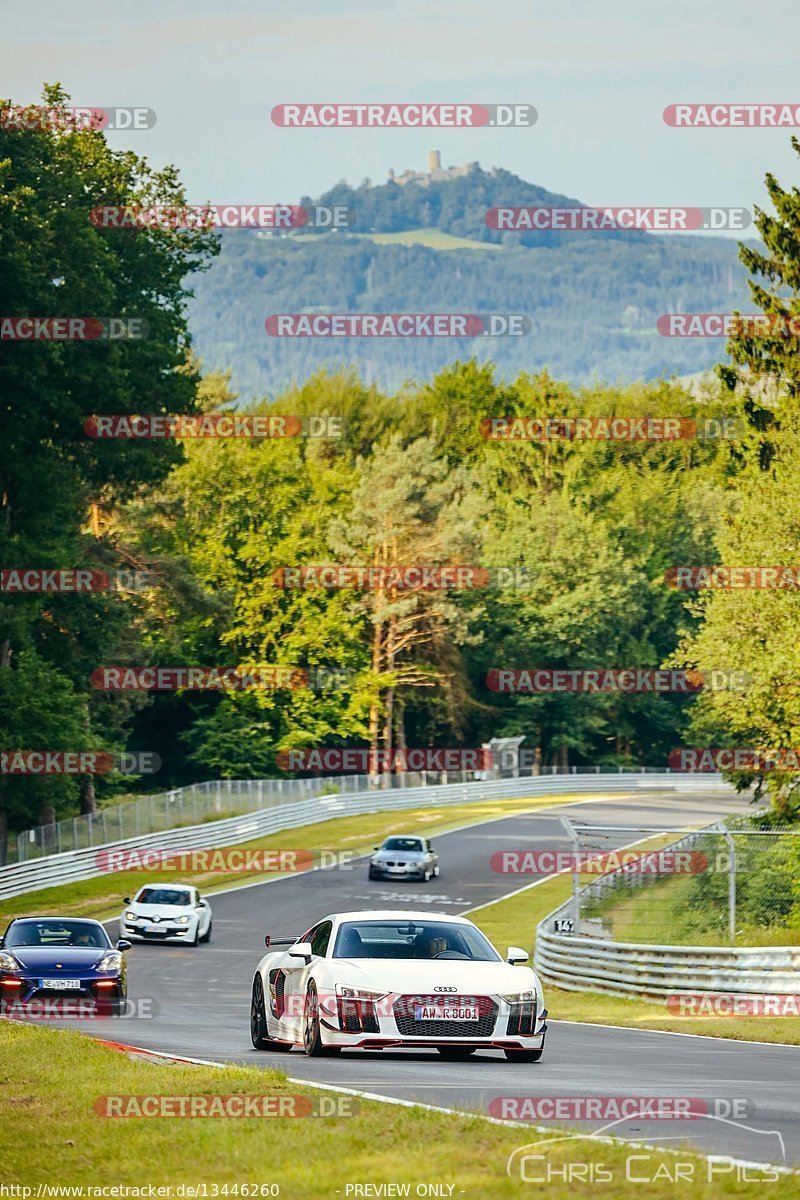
(258, 1021)
(524, 1056)
(455, 1053)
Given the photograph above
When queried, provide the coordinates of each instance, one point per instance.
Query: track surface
(202, 996)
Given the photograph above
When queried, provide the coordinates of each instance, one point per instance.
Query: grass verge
(513, 922)
(54, 1136)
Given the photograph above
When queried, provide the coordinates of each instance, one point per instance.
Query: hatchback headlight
(183, 920)
(8, 962)
(110, 962)
(518, 997)
(131, 916)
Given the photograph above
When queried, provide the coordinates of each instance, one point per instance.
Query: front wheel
(207, 935)
(524, 1056)
(456, 1053)
(259, 1035)
(312, 1027)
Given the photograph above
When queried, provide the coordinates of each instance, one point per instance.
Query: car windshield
(152, 895)
(401, 843)
(413, 940)
(55, 932)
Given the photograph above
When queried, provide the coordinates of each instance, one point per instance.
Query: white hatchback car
(161, 912)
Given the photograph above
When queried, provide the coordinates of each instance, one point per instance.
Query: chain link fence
(231, 798)
(734, 883)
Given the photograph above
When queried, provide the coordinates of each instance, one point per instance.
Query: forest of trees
(595, 525)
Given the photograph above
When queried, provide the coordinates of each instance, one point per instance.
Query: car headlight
(110, 962)
(131, 916)
(8, 962)
(351, 993)
(183, 920)
(518, 997)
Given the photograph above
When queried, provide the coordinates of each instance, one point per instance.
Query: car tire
(312, 1027)
(258, 1021)
(371, 874)
(524, 1056)
(207, 935)
(436, 871)
(456, 1053)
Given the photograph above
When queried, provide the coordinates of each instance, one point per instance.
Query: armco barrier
(652, 972)
(19, 878)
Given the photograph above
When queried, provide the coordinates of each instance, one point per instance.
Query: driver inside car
(435, 946)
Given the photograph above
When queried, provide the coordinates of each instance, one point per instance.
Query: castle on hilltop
(435, 173)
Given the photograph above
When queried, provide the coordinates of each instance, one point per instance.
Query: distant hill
(593, 298)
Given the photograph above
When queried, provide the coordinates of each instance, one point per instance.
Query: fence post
(731, 886)
(576, 876)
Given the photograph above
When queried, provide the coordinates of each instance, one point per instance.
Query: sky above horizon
(599, 76)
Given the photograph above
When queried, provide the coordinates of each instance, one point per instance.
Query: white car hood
(164, 912)
(426, 975)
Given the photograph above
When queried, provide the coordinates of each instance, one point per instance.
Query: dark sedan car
(72, 959)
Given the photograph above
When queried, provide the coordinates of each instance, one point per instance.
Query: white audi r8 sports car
(373, 980)
(167, 912)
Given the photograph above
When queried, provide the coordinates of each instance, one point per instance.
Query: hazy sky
(599, 74)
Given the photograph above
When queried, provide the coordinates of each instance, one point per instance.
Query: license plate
(445, 1012)
(61, 985)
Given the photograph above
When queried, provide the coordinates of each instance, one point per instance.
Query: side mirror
(376, 847)
(126, 899)
(515, 955)
(123, 945)
(303, 950)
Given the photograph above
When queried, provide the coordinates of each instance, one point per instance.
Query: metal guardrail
(653, 972)
(21, 878)
(157, 811)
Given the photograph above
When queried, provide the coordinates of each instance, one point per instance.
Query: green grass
(52, 1080)
(434, 239)
(102, 895)
(513, 922)
(668, 912)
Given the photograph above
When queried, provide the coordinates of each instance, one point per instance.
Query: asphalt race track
(202, 997)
